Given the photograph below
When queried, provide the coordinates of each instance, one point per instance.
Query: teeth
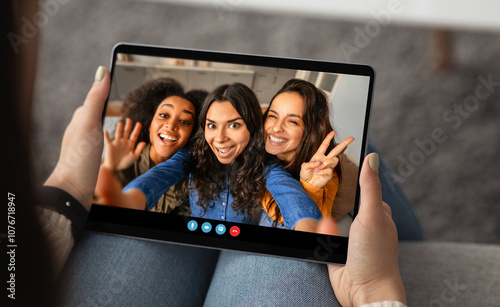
(276, 140)
(166, 137)
(225, 150)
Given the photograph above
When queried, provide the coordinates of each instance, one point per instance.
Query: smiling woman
(284, 125)
(299, 133)
(230, 133)
(227, 172)
(171, 127)
(163, 117)
(226, 133)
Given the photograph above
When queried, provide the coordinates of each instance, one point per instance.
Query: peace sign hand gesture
(319, 170)
(121, 152)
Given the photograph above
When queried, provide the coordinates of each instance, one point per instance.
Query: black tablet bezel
(256, 239)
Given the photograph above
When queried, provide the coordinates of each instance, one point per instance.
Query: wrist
(57, 200)
(108, 167)
(59, 180)
(311, 186)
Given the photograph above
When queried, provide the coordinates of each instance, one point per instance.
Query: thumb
(371, 188)
(96, 98)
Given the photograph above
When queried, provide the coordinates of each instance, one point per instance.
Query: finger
(307, 166)
(136, 132)
(340, 147)
(328, 226)
(96, 98)
(128, 127)
(119, 130)
(107, 138)
(326, 142)
(371, 188)
(328, 173)
(139, 149)
(329, 163)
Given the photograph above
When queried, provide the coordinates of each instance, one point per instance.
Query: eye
(210, 126)
(185, 122)
(271, 116)
(163, 115)
(234, 125)
(293, 122)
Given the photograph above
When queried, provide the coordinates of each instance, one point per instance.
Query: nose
(277, 126)
(221, 135)
(172, 124)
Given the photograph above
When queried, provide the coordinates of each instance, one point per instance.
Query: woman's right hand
(371, 273)
(121, 152)
(319, 170)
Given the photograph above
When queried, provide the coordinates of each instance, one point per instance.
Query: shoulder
(275, 169)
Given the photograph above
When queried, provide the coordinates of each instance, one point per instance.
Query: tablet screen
(220, 145)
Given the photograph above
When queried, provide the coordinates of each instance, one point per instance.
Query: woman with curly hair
(163, 117)
(298, 132)
(227, 171)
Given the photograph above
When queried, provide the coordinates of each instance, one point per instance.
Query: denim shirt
(220, 208)
(293, 201)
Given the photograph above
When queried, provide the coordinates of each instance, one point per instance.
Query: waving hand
(122, 152)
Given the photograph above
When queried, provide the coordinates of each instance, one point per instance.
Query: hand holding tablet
(302, 100)
(371, 273)
(385, 241)
(83, 132)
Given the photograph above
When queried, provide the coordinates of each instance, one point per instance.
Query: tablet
(144, 77)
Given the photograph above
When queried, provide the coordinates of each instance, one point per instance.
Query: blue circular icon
(192, 225)
(206, 227)
(220, 229)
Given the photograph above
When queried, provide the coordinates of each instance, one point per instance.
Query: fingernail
(374, 161)
(99, 74)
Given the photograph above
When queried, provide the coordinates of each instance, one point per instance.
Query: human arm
(120, 153)
(371, 273)
(144, 191)
(323, 197)
(298, 210)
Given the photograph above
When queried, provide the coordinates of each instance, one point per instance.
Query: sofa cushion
(450, 274)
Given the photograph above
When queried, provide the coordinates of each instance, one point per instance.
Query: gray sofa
(450, 274)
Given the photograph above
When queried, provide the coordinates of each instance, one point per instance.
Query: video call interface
(153, 115)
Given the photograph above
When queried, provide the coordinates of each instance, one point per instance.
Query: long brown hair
(317, 125)
(246, 174)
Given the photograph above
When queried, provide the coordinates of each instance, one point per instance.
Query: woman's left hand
(81, 149)
(319, 170)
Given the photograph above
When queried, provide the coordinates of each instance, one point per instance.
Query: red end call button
(234, 231)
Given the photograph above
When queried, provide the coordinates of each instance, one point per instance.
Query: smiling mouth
(277, 140)
(225, 152)
(166, 139)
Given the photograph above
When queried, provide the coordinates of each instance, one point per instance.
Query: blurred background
(436, 107)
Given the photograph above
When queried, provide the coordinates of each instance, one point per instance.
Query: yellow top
(323, 197)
